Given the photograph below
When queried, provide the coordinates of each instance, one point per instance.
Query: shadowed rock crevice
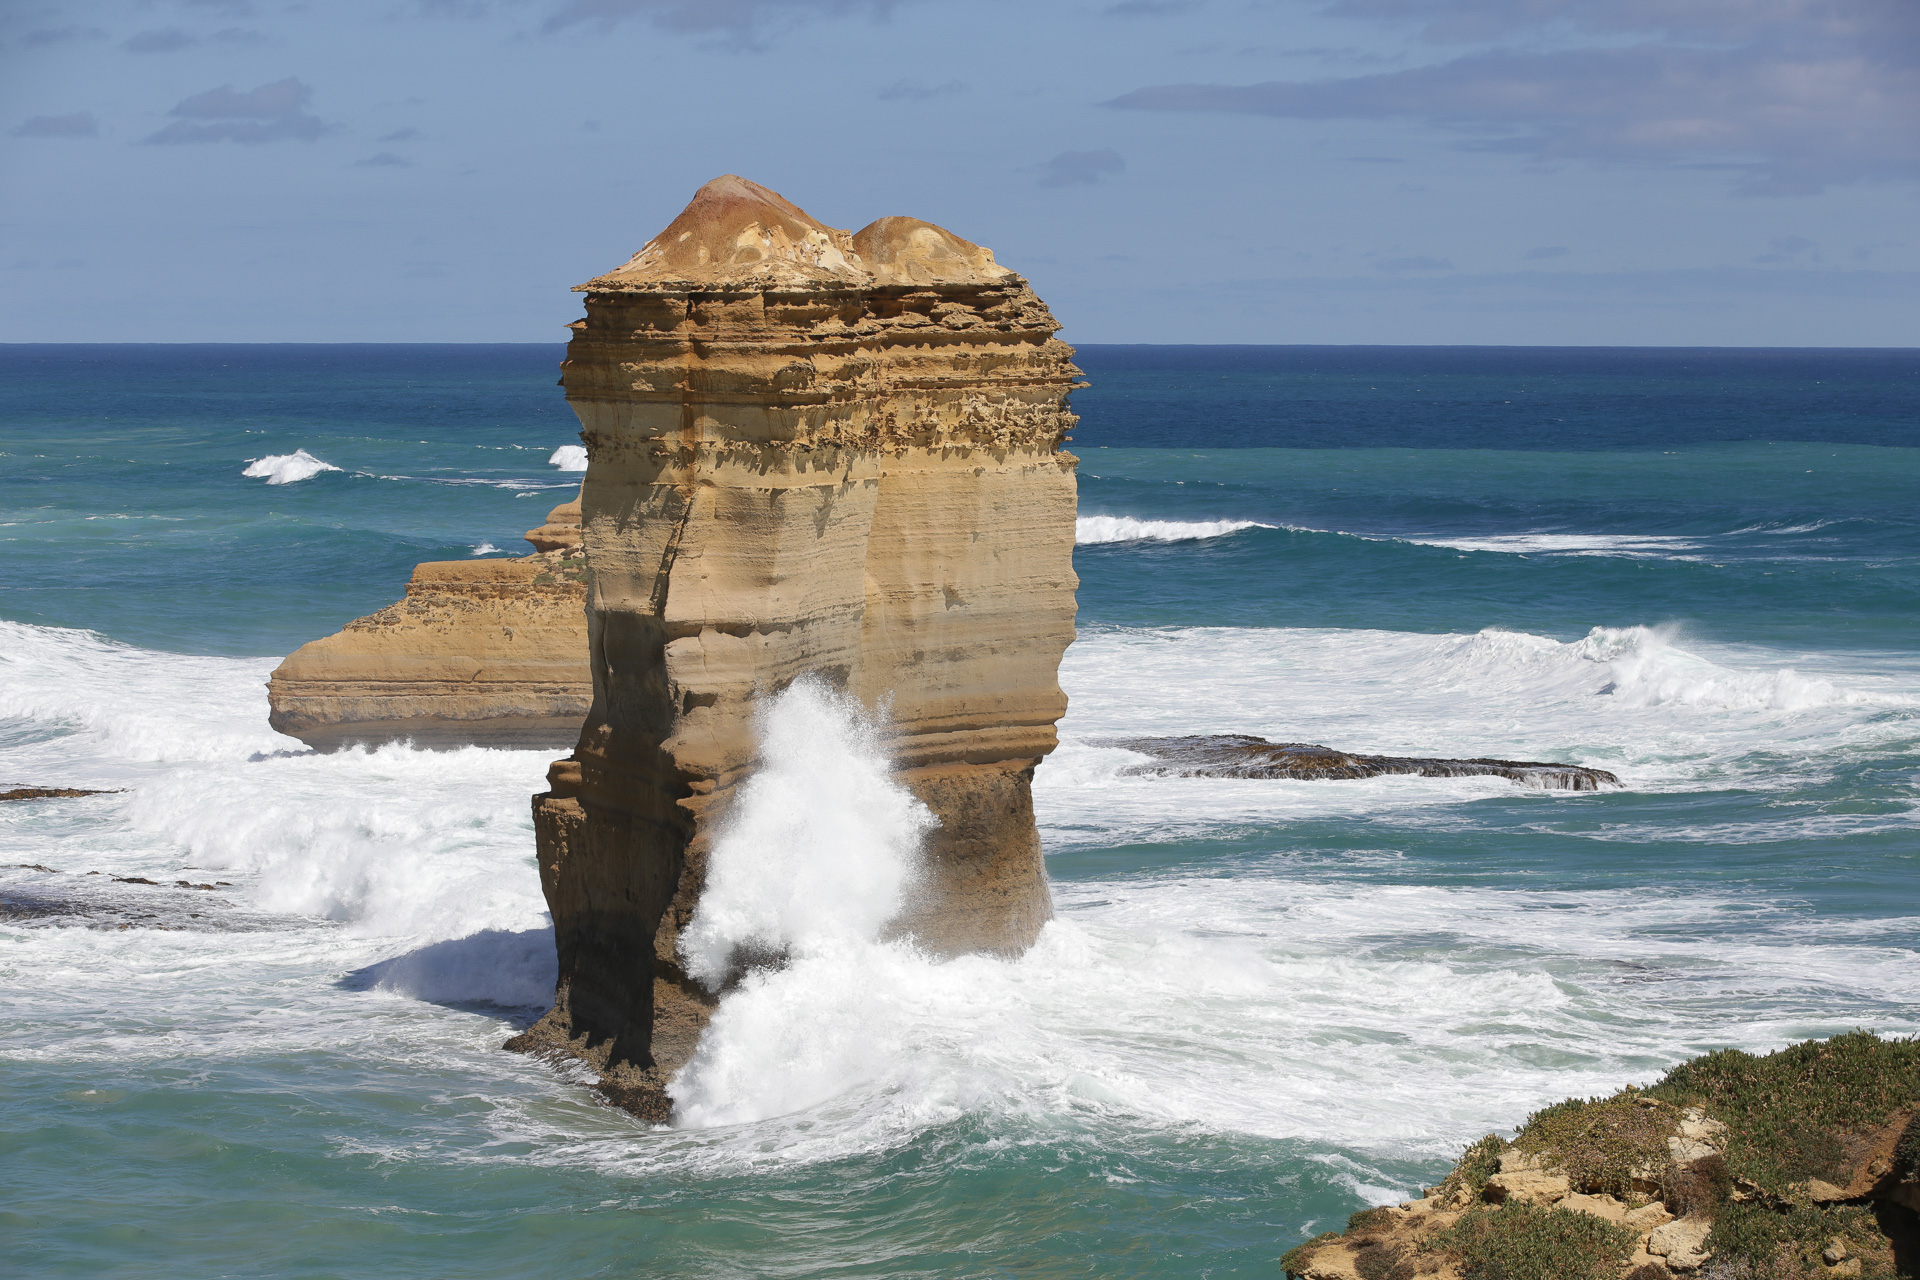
(1239, 755)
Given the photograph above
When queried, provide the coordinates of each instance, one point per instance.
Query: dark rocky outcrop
(49, 793)
(1238, 755)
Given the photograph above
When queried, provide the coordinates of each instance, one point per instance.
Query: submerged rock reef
(811, 454)
(1799, 1165)
(479, 652)
(1237, 755)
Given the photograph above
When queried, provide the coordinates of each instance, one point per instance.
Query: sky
(1562, 172)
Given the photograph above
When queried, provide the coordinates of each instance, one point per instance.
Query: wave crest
(286, 468)
(1095, 530)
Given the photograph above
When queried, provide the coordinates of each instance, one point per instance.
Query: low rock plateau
(1236, 755)
(479, 652)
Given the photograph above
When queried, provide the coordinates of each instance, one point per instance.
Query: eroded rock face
(1238, 755)
(811, 453)
(486, 652)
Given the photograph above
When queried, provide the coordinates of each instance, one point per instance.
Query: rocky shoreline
(1239, 755)
(1798, 1165)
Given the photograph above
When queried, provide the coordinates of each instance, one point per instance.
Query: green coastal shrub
(1601, 1142)
(1697, 1188)
(1762, 1241)
(1477, 1163)
(1790, 1113)
(1521, 1241)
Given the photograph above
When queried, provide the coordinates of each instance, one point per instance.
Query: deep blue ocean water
(1265, 1004)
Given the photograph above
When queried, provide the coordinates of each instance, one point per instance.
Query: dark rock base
(1239, 755)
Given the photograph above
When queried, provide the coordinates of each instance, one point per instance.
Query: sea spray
(286, 468)
(569, 457)
(822, 846)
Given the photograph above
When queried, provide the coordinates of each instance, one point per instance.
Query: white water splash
(822, 846)
(286, 468)
(1093, 530)
(569, 457)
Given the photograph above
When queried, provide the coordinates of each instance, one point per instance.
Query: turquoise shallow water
(1264, 1005)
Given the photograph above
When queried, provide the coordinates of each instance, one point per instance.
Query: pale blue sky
(1715, 172)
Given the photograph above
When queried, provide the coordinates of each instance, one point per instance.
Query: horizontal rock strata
(1236, 755)
(817, 453)
(479, 652)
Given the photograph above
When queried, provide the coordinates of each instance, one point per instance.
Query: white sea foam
(1291, 995)
(287, 468)
(821, 847)
(1628, 546)
(1094, 530)
(486, 549)
(1661, 712)
(569, 457)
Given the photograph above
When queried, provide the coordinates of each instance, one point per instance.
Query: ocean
(1264, 1004)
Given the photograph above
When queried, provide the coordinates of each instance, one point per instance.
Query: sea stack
(479, 652)
(810, 453)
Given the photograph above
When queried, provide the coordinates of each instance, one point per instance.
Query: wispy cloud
(41, 37)
(80, 124)
(1790, 94)
(1072, 168)
(161, 40)
(270, 113)
(914, 91)
(1789, 249)
(383, 160)
(1539, 253)
(1402, 266)
(745, 23)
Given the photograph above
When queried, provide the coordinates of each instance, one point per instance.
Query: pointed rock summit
(908, 251)
(737, 232)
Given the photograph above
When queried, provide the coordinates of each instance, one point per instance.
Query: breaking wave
(286, 468)
(569, 457)
(821, 847)
(1095, 530)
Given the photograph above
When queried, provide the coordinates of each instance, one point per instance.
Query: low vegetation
(1527, 1242)
(1800, 1139)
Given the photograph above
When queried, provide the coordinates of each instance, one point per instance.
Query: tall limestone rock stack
(810, 453)
(492, 652)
